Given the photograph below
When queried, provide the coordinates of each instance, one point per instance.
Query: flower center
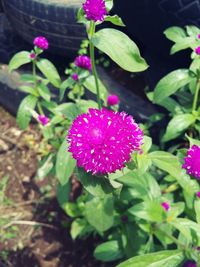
(96, 136)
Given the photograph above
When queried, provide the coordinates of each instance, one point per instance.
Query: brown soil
(34, 246)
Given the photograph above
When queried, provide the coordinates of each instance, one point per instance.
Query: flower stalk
(92, 56)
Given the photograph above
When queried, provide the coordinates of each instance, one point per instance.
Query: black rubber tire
(11, 42)
(53, 19)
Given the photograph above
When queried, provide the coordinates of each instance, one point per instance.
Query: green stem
(34, 74)
(196, 96)
(92, 56)
(175, 240)
(40, 108)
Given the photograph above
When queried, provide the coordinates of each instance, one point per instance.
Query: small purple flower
(189, 264)
(41, 42)
(192, 161)
(95, 10)
(102, 141)
(113, 100)
(75, 77)
(32, 55)
(83, 62)
(165, 206)
(198, 36)
(43, 119)
(198, 194)
(197, 50)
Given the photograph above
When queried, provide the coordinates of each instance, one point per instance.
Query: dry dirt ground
(41, 239)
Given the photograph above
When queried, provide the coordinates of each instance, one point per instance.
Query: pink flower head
(41, 42)
(113, 100)
(102, 140)
(197, 50)
(198, 194)
(32, 55)
(165, 206)
(75, 77)
(95, 10)
(189, 264)
(83, 62)
(198, 36)
(43, 119)
(192, 161)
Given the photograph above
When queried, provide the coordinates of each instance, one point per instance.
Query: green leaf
(170, 84)
(197, 210)
(109, 4)
(28, 89)
(79, 228)
(192, 30)
(184, 43)
(24, 111)
(89, 83)
(44, 92)
(186, 226)
(63, 193)
(149, 210)
(108, 251)
(175, 33)
(65, 164)
(65, 85)
(84, 105)
(178, 125)
(116, 20)
(49, 71)
(99, 213)
(96, 186)
(112, 41)
(167, 258)
(70, 110)
(47, 166)
(193, 141)
(19, 59)
(143, 186)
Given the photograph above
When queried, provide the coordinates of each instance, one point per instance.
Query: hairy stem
(92, 56)
(196, 96)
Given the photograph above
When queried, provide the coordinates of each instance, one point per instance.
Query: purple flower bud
(83, 62)
(165, 206)
(189, 264)
(95, 10)
(41, 42)
(75, 77)
(197, 50)
(192, 160)
(43, 119)
(32, 55)
(198, 194)
(198, 36)
(113, 100)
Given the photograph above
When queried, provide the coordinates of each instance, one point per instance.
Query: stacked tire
(56, 20)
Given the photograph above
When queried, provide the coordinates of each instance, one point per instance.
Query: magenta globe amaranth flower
(83, 62)
(197, 50)
(190, 264)
(95, 10)
(75, 77)
(113, 100)
(41, 42)
(192, 161)
(165, 206)
(198, 194)
(44, 120)
(102, 140)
